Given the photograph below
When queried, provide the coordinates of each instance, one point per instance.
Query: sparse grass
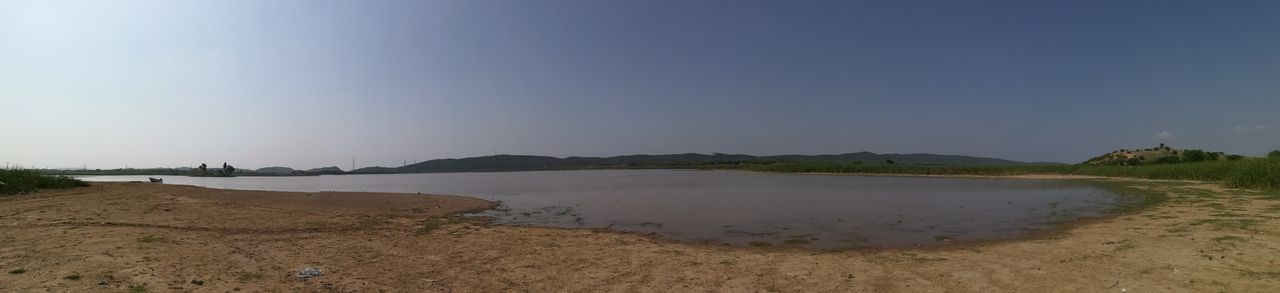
(17, 271)
(917, 257)
(1227, 215)
(152, 239)
(1214, 205)
(759, 244)
(369, 222)
(245, 277)
(1237, 224)
(28, 181)
(795, 241)
(138, 289)
(72, 277)
(1228, 239)
(1260, 275)
(1124, 247)
(429, 225)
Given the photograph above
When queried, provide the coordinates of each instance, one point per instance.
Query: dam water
(740, 208)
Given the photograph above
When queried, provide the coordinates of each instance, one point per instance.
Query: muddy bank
(111, 237)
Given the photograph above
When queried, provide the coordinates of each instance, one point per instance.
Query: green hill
(1161, 154)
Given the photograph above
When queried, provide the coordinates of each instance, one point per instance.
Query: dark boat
(156, 180)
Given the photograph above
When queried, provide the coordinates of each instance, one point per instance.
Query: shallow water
(816, 211)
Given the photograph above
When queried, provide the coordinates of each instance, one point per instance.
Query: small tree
(1234, 157)
(1274, 154)
(1190, 156)
(888, 162)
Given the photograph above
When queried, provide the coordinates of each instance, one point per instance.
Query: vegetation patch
(153, 239)
(428, 225)
(1228, 239)
(795, 241)
(1260, 275)
(1233, 172)
(17, 271)
(759, 244)
(28, 181)
(1237, 224)
(72, 277)
(917, 257)
(1124, 246)
(245, 277)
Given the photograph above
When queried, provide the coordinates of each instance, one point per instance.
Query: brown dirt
(161, 237)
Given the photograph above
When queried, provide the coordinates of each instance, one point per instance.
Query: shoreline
(1049, 231)
(162, 237)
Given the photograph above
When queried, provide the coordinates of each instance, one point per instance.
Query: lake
(740, 208)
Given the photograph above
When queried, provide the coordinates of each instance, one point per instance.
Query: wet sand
(115, 236)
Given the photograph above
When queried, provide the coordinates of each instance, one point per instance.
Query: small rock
(103, 282)
(197, 282)
(309, 273)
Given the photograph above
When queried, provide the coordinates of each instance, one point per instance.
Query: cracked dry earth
(139, 237)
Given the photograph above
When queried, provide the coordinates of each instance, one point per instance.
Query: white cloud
(1164, 134)
(1247, 129)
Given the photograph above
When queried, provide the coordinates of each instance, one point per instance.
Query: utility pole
(353, 163)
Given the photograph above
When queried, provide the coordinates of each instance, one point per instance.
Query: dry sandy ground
(140, 237)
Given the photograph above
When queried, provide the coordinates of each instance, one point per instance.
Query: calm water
(817, 211)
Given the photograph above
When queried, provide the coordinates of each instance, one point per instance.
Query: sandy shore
(118, 237)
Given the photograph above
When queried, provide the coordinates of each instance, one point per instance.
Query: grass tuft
(245, 277)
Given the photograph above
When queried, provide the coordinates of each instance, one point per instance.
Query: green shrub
(1168, 160)
(27, 181)
(1192, 156)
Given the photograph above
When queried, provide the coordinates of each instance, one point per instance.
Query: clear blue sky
(314, 83)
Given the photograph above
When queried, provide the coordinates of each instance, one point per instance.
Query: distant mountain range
(499, 163)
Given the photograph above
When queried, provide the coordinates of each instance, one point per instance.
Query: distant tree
(1274, 154)
(204, 168)
(889, 162)
(1133, 162)
(1213, 156)
(1168, 160)
(1191, 156)
(1234, 157)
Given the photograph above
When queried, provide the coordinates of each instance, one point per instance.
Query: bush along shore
(1253, 173)
(14, 181)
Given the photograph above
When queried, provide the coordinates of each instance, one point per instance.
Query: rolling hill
(689, 160)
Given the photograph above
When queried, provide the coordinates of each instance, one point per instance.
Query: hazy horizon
(308, 84)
